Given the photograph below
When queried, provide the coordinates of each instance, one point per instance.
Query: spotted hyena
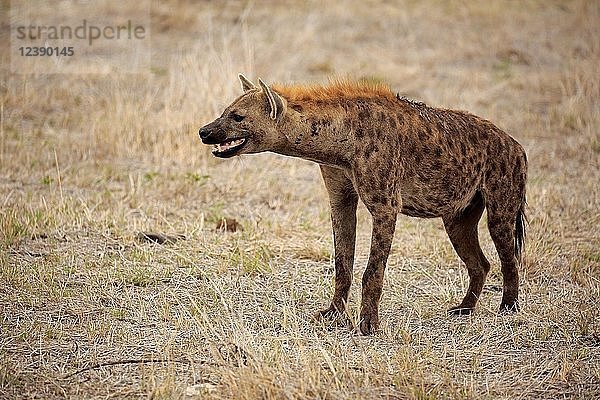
(397, 156)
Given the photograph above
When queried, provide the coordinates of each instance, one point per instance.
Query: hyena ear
(276, 102)
(246, 84)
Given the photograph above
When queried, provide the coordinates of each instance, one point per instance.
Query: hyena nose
(204, 133)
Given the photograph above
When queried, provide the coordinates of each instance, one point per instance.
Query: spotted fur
(399, 157)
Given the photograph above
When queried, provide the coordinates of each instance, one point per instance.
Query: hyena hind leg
(462, 230)
(505, 202)
(502, 230)
(506, 223)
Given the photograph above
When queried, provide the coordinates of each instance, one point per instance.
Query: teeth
(219, 148)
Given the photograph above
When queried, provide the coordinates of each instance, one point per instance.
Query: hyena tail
(521, 220)
(520, 232)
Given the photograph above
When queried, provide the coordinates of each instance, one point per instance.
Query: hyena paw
(332, 313)
(460, 310)
(509, 306)
(369, 322)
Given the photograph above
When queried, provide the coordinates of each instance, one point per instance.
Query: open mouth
(229, 148)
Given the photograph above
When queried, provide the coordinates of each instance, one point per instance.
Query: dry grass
(87, 162)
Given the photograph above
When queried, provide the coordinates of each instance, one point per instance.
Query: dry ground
(89, 161)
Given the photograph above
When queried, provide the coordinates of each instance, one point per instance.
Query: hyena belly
(437, 195)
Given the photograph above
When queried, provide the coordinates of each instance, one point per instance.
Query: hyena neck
(321, 139)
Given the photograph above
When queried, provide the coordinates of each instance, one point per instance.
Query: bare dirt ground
(87, 162)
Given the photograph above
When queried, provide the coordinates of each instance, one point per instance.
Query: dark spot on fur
(369, 149)
(314, 129)
(439, 202)
(502, 168)
(440, 126)
(378, 235)
(516, 173)
(378, 199)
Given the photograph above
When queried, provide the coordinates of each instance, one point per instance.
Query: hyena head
(249, 124)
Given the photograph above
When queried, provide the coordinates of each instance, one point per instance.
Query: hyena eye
(237, 117)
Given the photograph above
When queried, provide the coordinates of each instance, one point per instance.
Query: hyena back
(397, 156)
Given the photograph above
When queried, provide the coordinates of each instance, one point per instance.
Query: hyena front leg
(343, 200)
(384, 224)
